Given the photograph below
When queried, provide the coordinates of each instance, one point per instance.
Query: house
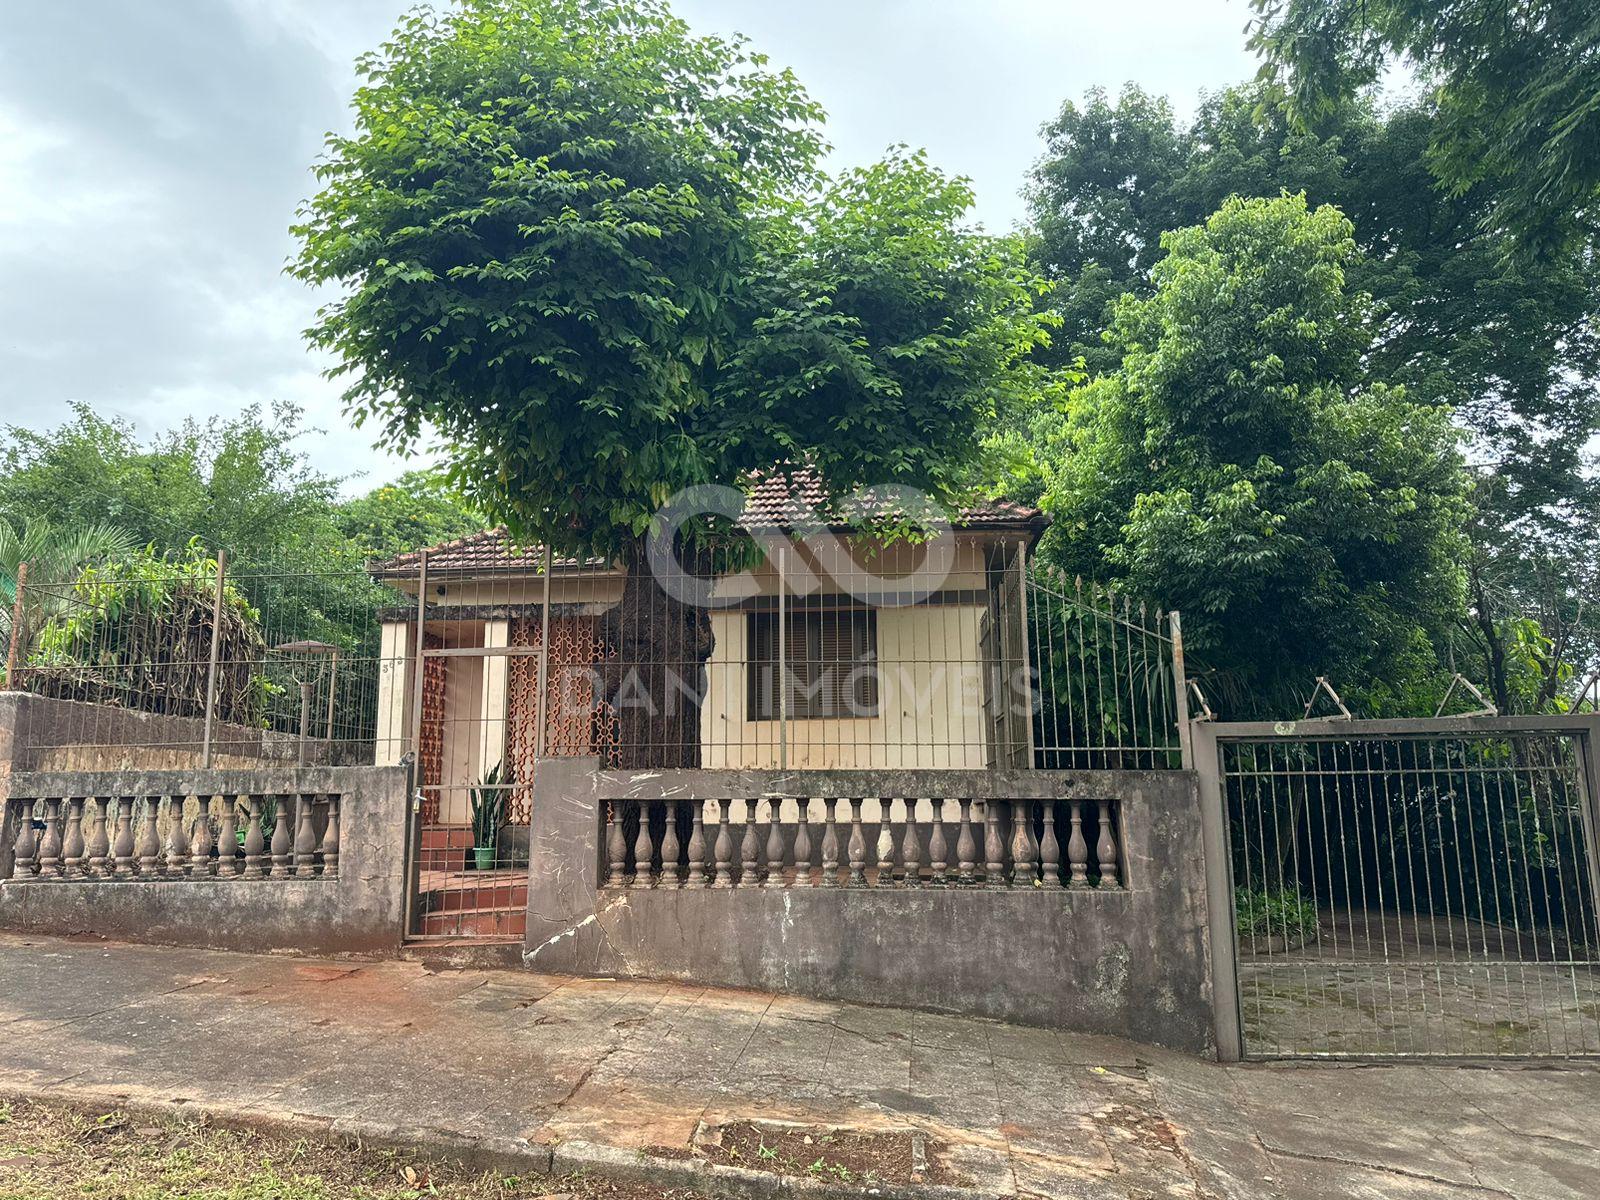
(906, 654)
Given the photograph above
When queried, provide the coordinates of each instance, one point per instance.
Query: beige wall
(930, 672)
(930, 700)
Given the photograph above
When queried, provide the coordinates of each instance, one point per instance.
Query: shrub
(1283, 913)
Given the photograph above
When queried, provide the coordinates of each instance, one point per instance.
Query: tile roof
(775, 499)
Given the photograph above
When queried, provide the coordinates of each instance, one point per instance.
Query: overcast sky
(152, 154)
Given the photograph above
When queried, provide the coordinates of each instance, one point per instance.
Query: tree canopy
(1235, 463)
(591, 249)
(1515, 86)
(243, 485)
(1511, 346)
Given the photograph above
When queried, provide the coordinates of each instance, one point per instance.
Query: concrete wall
(1133, 962)
(360, 912)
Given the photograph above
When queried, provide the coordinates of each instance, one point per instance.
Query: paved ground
(642, 1065)
(1380, 984)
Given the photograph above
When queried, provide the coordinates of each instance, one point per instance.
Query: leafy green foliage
(590, 248)
(1515, 85)
(136, 631)
(1235, 466)
(488, 800)
(543, 225)
(888, 332)
(54, 557)
(1511, 346)
(1266, 912)
(418, 509)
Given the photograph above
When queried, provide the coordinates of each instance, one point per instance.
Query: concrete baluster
(305, 838)
(282, 841)
(750, 850)
(201, 845)
(644, 848)
(697, 844)
(122, 845)
(330, 840)
(177, 848)
(99, 843)
(723, 850)
(1022, 849)
(775, 877)
(228, 837)
(1050, 848)
(72, 841)
(616, 845)
(25, 850)
(1106, 848)
(254, 841)
(911, 846)
(857, 848)
(966, 846)
(671, 869)
(149, 839)
(938, 867)
(802, 843)
(830, 842)
(994, 850)
(885, 843)
(50, 843)
(1077, 849)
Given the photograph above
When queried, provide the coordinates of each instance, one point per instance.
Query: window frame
(809, 622)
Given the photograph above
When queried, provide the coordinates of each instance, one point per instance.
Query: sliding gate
(1404, 888)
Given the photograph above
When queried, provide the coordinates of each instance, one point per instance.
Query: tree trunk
(1499, 685)
(654, 675)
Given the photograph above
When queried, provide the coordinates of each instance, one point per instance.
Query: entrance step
(464, 954)
(476, 923)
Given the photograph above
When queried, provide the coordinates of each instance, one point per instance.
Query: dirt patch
(835, 1155)
(60, 1150)
(1149, 1131)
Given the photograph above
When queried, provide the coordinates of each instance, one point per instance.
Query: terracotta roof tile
(775, 499)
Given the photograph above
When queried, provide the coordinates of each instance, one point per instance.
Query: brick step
(467, 896)
(484, 923)
(446, 837)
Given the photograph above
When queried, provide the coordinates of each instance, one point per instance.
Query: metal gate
(1404, 888)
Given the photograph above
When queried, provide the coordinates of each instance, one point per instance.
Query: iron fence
(177, 661)
(1413, 888)
(1110, 677)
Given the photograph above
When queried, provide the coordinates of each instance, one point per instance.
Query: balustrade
(180, 836)
(771, 842)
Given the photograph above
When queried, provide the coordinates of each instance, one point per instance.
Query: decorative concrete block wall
(127, 856)
(1096, 924)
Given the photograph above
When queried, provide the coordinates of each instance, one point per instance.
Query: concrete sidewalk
(526, 1060)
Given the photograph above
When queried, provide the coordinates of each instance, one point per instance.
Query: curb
(512, 1156)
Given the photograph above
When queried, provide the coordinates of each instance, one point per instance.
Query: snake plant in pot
(488, 814)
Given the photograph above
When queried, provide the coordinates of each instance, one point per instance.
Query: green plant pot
(483, 857)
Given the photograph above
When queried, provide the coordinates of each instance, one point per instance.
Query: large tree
(1511, 346)
(1515, 82)
(1235, 465)
(590, 249)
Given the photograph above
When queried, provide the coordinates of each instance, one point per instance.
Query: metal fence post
(1027, 649)
(541, 717)
(1180, 683)
(1219, 898)
(419, 665)
(206, 747)
(783, 658)
(16, 630)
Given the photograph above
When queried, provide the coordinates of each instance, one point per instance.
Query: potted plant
(488, 813)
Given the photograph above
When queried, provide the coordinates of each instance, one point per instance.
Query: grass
(49, 1150)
